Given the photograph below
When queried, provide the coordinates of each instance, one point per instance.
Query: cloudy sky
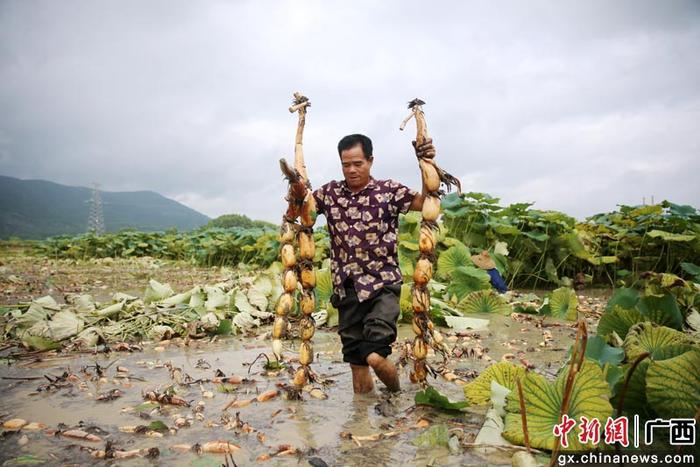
(574, 105)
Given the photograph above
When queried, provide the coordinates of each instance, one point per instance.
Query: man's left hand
(425, 150)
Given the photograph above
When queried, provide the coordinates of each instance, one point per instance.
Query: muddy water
(313, 426)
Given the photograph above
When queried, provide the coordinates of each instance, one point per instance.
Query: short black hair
(350, 141)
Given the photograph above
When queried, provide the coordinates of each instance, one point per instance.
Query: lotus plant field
(155, 348)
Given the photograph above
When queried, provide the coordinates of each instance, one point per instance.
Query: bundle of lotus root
(297, 269)
(433, 176)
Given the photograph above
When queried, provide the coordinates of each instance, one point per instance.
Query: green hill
(37, 209)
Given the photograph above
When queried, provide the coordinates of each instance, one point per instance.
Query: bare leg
(361, 379)
(385, 371)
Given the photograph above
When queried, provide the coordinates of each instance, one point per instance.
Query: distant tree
(237, 220)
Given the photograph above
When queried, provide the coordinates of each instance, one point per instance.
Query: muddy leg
(361, 379)
(385, 371)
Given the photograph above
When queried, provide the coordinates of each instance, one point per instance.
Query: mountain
(37, 209)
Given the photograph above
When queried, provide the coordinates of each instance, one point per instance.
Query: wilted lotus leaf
(244, 321)
(47, 302)
(210, 322)
(156, 291)
(160, 332)
(216, 298)
(62, 325)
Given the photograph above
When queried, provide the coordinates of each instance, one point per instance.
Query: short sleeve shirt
(363, 230)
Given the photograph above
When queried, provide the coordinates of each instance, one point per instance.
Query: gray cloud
(576, 106)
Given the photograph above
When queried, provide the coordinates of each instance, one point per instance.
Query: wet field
(343, 429)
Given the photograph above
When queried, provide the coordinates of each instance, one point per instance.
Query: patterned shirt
(363, 228)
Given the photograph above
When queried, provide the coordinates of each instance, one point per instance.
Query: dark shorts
(369, 326)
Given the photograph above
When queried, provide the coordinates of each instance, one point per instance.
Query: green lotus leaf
(619, 320)
(504, 373)
(662, 310)
(432, 397)
(468, 279)
(692, 269)
(673, 385)
(598, 350)
(575, 244)
(649, 337)
(671, 237)
(451, 259)
(324, 287)
(636, 396)
(543, 399)
(484, 301)
(623, 297)
(406, 303)
(407, 261)
(537, 236)
(551, 271)
(563, 303)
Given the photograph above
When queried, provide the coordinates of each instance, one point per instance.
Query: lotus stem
(628, 377)
(523, 414)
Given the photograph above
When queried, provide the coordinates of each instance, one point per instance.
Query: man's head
(356, 157)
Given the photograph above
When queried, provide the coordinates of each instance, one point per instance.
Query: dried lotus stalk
(432, 176)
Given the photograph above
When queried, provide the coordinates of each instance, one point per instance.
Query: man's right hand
(425, 150)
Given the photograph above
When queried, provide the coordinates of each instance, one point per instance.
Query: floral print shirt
(363, 230)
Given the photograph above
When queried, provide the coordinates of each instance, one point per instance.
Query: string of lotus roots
(433, 176)
(299, 269)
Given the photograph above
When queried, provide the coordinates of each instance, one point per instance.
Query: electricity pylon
(96, 221)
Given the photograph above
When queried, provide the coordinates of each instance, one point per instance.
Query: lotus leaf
(459, 323)
(324, 287)
(432, 397)
(543, 399)
(504, 373)
(563, 303)
(598, 350)
(671, 237)
(451, 259)
(649, 337)
(217, 298)
(62, 325)
(623, 297)
(662, 310)
(243, 321)
(673, 385)
(484, 301)
(468, 279)
(156, 291)
(619, 320)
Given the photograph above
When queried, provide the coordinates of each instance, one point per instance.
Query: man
(363, 217)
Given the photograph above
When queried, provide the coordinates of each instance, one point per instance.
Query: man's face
(355, 167)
